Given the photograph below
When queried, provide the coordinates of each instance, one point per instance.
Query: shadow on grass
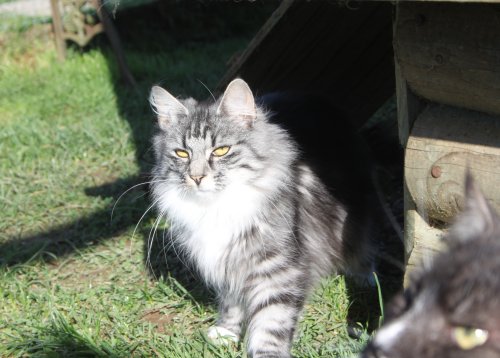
(61, 339)
(164, 261)
(146, 36)
(164, 43)
(367, 300)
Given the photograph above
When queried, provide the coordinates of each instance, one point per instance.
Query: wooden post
(114, 39)
(447, 60)
(408, 107)
(58, 30)
(446, 141)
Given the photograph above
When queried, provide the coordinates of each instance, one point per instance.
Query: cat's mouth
(202, 191)
(201, 186)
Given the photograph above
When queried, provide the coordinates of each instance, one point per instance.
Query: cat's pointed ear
(238, 102)
(478, 219)
(167, 107)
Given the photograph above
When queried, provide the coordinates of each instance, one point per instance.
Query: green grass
(73, 281)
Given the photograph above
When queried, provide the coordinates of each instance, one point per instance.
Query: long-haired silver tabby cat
(452, 308)
(249, 214)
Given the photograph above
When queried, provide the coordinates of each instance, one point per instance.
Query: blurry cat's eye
(219, 152)
(468, 338)
(182, 153)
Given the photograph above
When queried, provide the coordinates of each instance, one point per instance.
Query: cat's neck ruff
(229, 210)
(207, 226)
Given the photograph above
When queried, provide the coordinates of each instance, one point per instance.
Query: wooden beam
(426, 242)
(450, 53)
(235, 68)
(324, 47)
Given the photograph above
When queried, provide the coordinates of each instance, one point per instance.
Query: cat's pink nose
(197, 178)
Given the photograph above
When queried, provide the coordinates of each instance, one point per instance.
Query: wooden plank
(450, 53)
(426, 243)
(326, 48)
(444, 142)
(256, 41)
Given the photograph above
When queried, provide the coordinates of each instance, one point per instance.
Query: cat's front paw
(222, 336)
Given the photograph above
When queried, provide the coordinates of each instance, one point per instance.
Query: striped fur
(260, 227)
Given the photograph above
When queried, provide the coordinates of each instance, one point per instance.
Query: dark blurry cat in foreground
(452, 308)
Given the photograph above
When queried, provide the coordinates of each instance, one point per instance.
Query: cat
(452, 308)
(249, 214)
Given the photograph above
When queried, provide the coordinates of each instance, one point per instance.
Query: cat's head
(451, 308)
(203, 148)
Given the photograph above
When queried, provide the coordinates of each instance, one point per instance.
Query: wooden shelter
(324, 47)
(441, 58)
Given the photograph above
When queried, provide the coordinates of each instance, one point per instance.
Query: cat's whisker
(174, 248)
(263, 245)
(131, 188)
(158, 220)
(290, 227)
(211, 94)
(164, 242)
(150, 240)
(398, 230)
(125, 192)
(144, 214)
(392, 260)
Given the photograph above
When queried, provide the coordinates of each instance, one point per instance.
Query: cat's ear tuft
(478, 219)
(167, 107)
(238, 102)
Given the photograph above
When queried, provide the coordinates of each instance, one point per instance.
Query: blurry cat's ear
(167, 107)
(238, 102)
(478, 219)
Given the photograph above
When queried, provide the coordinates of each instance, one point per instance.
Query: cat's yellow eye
(182, 153)
(219, 152)
(468, 338)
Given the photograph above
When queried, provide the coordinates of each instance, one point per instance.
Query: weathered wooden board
(444, 142)
(450, 53)
(426, 242)
(324, 47)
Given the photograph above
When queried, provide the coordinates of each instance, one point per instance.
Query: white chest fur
(206, 227)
